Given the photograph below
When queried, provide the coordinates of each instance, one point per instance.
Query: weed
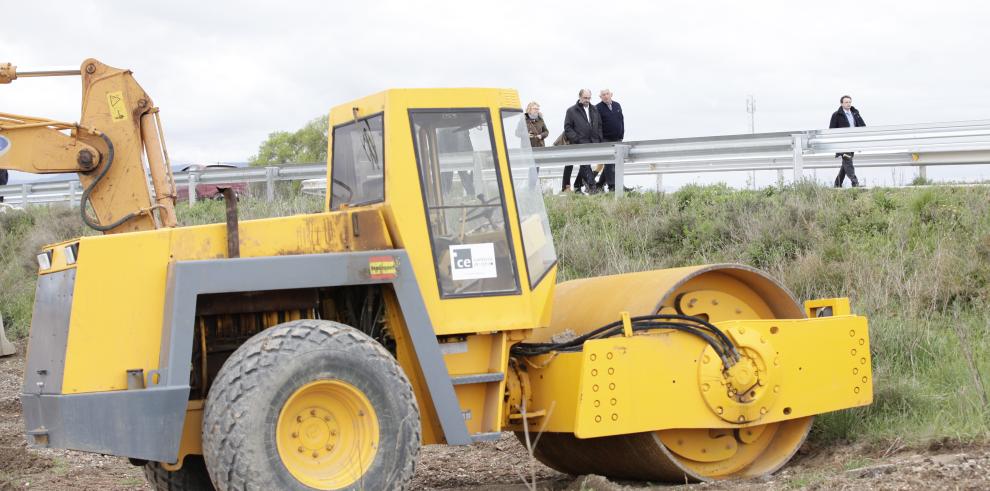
(856, 462)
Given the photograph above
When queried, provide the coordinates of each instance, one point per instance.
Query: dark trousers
(467, 182)
(846, 170)
(585, 177)
(607, 177)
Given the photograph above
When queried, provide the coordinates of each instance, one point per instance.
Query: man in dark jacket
(582, 124)
(846, 117)
(613, 130)
(3, 180)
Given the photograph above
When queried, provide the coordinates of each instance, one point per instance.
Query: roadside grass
(857, 462)
(915, 261)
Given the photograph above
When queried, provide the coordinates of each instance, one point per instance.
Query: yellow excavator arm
(118, 126)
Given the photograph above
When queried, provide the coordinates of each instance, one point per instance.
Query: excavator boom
(118, 126)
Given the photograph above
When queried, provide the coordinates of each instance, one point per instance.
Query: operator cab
(436, 160)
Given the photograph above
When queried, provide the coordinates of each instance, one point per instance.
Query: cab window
(533, 222)
(463, 197)
(357, 164)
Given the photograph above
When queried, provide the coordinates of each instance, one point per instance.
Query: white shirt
(587, 113)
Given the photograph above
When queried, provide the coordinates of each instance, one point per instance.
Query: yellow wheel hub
(327, 434)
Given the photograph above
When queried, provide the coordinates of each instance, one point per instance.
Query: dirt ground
(505, 465)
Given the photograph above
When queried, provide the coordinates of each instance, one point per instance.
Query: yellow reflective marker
(118, 112)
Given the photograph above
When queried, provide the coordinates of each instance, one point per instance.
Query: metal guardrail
(913, 145)
(70, 191)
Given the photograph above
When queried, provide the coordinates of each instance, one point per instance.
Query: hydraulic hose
(698, 327)
(94, 224)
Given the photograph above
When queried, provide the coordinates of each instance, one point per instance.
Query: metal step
(477, 378)
(486, 437)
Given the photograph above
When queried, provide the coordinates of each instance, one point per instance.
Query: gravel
(505, 465)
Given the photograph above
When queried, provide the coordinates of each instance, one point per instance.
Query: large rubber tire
(191, 477)
(245, 401)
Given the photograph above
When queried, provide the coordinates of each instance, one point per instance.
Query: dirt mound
(504, 465)
(15, 461)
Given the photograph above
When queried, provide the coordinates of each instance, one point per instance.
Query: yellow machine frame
(645, 380)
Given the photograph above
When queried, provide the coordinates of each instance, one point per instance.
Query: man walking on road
(582, 124)
(846, 117)
(613, 130)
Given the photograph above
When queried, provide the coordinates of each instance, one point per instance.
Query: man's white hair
(583, 91)
(604, 91)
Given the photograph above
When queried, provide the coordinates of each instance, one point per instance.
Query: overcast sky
(225, 74)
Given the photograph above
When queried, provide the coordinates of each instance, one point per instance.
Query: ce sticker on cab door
(472, 261)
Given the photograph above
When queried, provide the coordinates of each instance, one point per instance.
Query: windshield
(463, 197)
(357, 166)
(533, 221)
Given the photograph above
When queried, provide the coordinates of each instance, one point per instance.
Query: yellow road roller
(321, 351)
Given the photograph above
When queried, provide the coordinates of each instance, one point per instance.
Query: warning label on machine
(118, 112)
(472, 261)
(381, 267)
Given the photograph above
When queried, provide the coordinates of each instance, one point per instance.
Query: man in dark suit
(613, 130)
(582, 124)
(846, 116)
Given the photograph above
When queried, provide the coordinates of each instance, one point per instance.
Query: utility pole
(751, 109)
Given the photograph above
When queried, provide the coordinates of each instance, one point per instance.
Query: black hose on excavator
(694, 326)
(85, 195)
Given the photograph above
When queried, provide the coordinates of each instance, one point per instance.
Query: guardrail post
(621, 151)
(659, 182)
(923, 172)
(797, 145)
(25, 191)
(73, 186)
(270, 174)
(193, 181)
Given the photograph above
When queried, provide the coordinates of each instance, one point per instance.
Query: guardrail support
(73, 187)
(659, 182)
(25, 191)
(621, 152)
(193, 181)
(798, 142)
(923, 171)
(270, 174)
